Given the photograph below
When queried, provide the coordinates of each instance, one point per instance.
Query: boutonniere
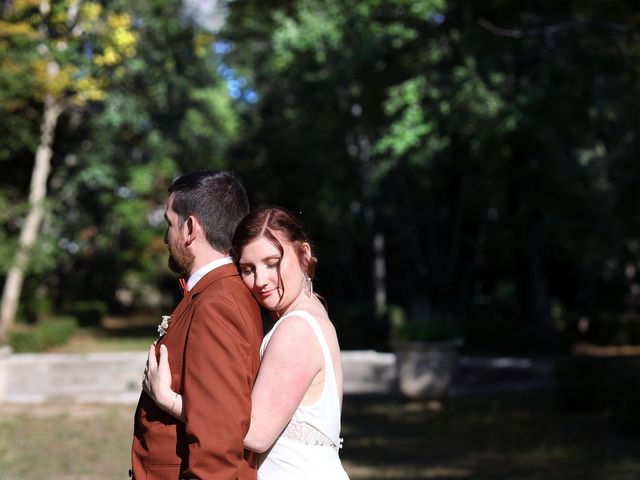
(162, 328)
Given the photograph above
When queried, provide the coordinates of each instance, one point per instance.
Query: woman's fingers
(164, 358)
(149, 371)
(152, 363)
(157, 375)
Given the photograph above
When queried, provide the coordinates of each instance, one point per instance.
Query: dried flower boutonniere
(164, 325)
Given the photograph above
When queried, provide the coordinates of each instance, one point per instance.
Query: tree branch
(550, 30)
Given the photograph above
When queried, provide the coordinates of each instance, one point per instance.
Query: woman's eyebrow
(264, 259)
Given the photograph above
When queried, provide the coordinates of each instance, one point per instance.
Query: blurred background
(466, 170)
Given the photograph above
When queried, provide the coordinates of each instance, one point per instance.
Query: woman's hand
(157, 382)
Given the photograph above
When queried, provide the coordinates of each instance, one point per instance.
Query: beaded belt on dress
(308, 435)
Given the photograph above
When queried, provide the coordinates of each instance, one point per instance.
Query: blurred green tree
(480, 144)
(170, 114)
(468, 162)
(43, 45)
(162, 111)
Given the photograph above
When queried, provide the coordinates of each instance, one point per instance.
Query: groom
(213, 339)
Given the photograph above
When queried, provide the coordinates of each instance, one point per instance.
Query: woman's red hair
(264, 222)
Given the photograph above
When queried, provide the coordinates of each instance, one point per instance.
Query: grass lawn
(507, 436)
(88, 340)
(504, 436)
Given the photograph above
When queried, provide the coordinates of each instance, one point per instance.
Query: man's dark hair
(216, 198)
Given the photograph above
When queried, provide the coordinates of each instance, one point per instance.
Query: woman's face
(275, 279)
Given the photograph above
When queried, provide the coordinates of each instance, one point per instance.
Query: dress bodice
(308, 447)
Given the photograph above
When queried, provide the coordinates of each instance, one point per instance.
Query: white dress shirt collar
(202, 271)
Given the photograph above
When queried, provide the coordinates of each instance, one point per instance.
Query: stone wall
(116, 377)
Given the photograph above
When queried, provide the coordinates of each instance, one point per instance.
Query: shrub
(613, 329)
(421, 325)
(44, 335)
(88, 312)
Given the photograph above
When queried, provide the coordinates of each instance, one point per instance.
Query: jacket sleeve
(217, 389)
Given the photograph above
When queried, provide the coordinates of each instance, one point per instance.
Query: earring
(309, 285)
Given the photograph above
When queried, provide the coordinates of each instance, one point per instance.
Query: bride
(297, 395)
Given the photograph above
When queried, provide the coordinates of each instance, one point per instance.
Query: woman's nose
(260, 278)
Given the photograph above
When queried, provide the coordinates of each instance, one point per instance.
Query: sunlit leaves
(409, 129)
(316, 28)
(59, 40)
(120, 43)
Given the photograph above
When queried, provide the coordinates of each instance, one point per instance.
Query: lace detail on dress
(308, 435)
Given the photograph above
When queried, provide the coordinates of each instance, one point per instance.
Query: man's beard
(180, 260)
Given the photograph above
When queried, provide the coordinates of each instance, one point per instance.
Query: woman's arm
(157, 383)
(291, 361)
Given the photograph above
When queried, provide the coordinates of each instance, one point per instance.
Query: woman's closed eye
(246, 271)
(273, 264)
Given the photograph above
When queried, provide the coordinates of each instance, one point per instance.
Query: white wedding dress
(308, 447)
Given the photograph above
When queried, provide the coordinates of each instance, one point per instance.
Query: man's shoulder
(228, 289)
(228, 303)
(229, 284)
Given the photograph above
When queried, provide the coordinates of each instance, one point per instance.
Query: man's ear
(191, 227)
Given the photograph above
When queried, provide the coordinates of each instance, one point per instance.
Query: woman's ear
(306, 250)
(309, 260)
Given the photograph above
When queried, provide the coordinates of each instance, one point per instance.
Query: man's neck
(195, 276)
(205, 258)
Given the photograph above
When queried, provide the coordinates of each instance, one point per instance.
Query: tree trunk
(29, 232)
(536, 297)
(379, 276)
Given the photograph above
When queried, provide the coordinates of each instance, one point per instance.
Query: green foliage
(477, 135)
(88, 312)
(489, 145)
(165, 111)
(52, 47)
(317, 27)
(44, 335)
(420, 326)
(39, 307)
(7, 242)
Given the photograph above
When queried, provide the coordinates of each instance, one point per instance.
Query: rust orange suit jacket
(213, 342)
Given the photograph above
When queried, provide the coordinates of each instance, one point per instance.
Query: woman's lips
(266, 293)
